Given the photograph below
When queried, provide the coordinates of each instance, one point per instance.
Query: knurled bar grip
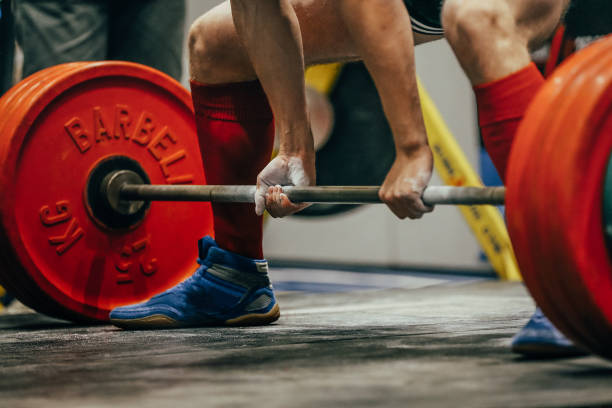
(317, 194)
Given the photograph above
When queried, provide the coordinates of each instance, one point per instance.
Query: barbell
(118, 198)
(435, 195)
(86, 148)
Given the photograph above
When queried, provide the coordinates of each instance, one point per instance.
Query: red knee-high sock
(501, 106)
(236, 134)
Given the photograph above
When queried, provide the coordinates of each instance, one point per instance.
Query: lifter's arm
(382, 33)
(271, 35)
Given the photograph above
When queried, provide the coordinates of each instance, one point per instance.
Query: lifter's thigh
(532, 21)
(539, 18)
(217, 55)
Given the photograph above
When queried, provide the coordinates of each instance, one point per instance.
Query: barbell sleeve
(432, 195)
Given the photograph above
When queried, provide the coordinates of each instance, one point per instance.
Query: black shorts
(425, 16)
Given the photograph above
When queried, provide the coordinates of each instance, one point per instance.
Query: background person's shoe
(227, 289)
(539, 338)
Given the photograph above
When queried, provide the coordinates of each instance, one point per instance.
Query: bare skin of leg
(217, 55)
(492, 38)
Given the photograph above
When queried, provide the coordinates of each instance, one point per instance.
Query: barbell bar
(433, 195)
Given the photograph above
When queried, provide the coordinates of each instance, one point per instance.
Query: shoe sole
(545, 351)
(256, 319)
(149, 322)
(165, 322)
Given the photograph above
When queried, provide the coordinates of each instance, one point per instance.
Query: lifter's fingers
(273, 202)
(414, 209)
(287, 203)
(396, 209)
(280, 205)
(408, 207)
(420, 205)
(277, 193)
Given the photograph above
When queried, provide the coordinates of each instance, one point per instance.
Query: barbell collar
(433, 195)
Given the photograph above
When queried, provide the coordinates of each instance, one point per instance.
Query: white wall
(372, 235)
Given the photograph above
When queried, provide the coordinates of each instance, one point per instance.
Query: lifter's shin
(501, 107)
(236, 134)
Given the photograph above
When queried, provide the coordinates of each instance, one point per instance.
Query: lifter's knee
(204, 50)
(216, 55)
(478, 22)
(473, 21)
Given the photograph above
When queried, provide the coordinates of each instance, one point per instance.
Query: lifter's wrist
(408, 150)
(305, 152)
(409, 136)
(296, 140)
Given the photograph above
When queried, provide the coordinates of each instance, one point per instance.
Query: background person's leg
(53, 32)
(150, 32)
(7, 45)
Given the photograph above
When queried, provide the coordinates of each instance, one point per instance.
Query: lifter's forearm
(270, 32)
(382, 32)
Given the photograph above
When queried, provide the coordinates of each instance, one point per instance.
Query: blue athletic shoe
(540, 339)
(227, 289)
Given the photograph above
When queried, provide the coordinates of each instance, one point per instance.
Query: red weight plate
(537, 240)
(13, 105)
(18, 283)
(99, 111)
(10, 105)
(554, 200)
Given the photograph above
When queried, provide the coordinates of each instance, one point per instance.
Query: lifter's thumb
(260, 199)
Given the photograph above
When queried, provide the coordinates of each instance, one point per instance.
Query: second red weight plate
(554, 201)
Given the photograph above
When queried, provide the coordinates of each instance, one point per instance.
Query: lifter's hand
(405, 182)
(283, 170)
